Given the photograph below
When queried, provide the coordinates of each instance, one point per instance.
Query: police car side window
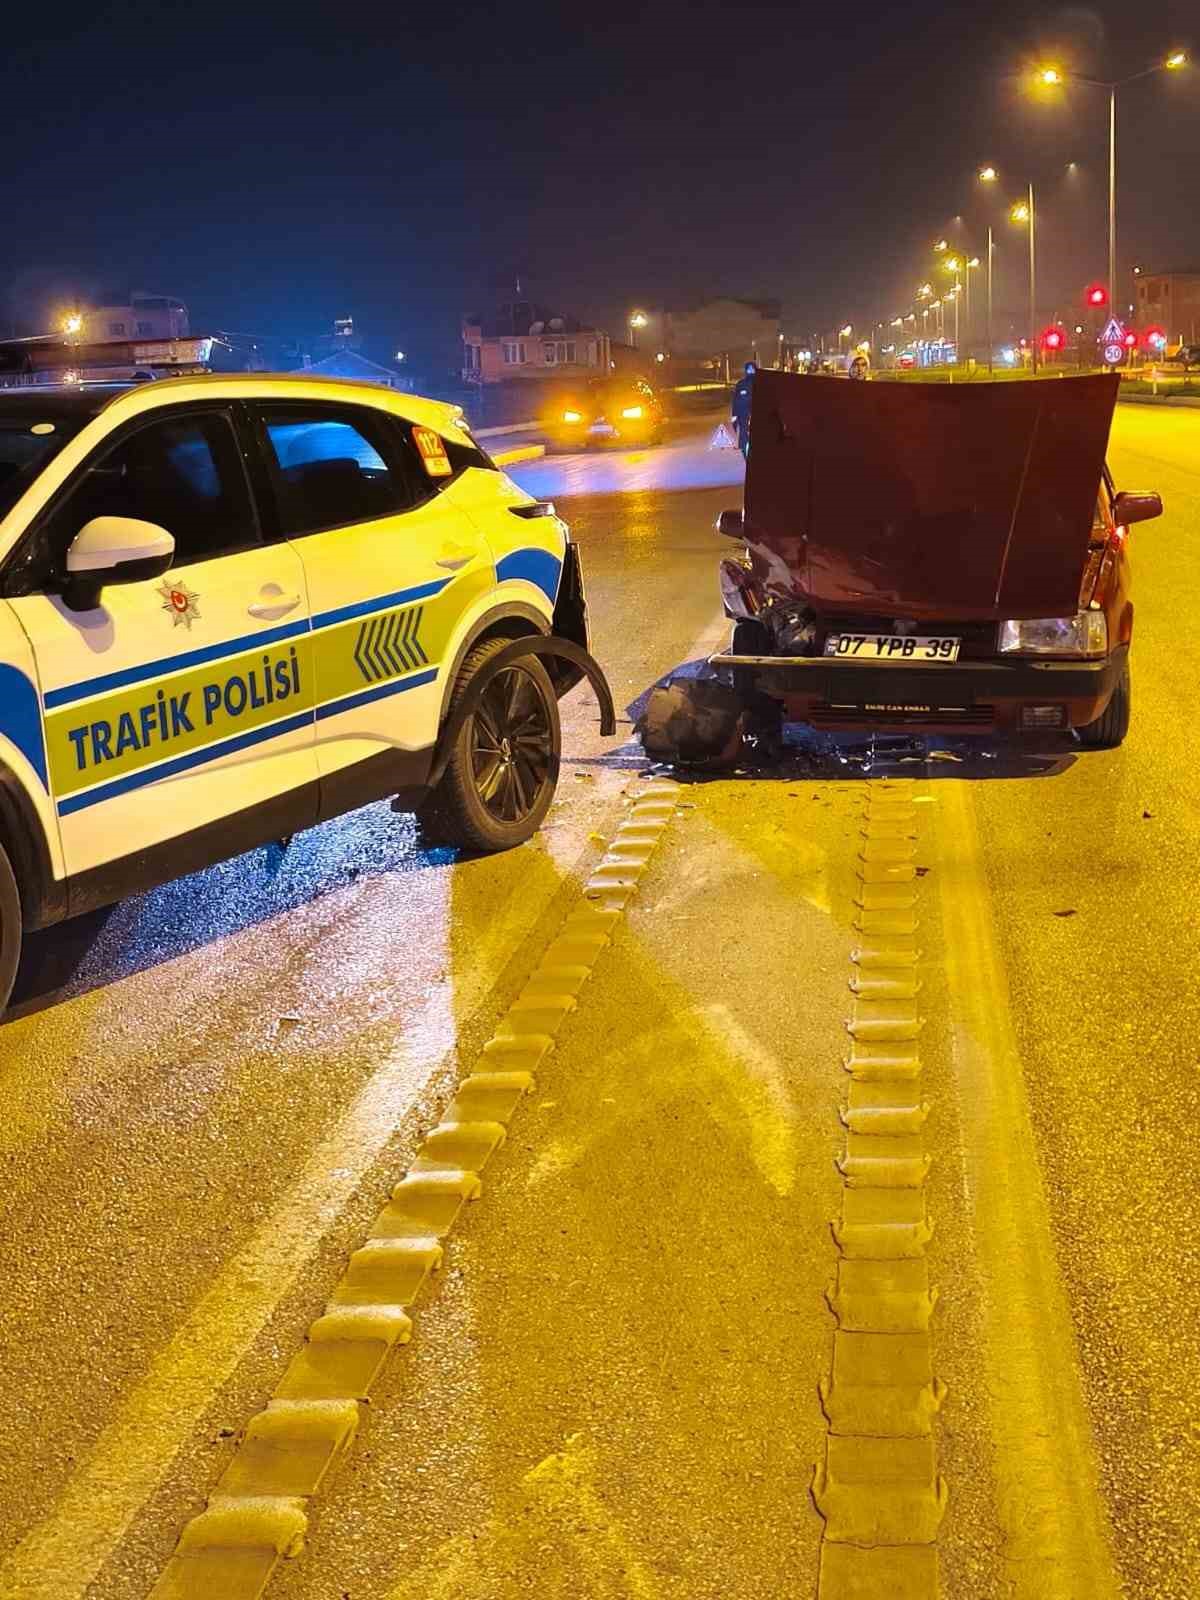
(333, 467)
(183, 472)
(434, 460)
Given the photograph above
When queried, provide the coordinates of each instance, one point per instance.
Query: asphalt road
(612, 1389)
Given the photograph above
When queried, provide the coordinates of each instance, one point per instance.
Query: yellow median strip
(257, 1513)
(878, 1487)
(522, 452)
(1057, 1538)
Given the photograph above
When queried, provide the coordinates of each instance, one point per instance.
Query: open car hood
(969, 501)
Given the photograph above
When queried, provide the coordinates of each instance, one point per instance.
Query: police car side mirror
(113, 550)
(730, 523)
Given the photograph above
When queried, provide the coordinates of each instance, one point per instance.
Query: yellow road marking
(878, 1487)
(524, 452)
(59, 1558)
(257, 1512)
(1058, 1539)
(560, 1525)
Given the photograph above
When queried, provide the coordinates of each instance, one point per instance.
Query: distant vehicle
(232, 607)
(979, 584)
(1188, 355)
(605, 411)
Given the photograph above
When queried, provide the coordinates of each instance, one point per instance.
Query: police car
(232, 607)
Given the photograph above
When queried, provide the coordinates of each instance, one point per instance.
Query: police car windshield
(29, 438)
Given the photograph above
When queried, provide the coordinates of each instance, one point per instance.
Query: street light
(1023, 212)
(638, 319)
(399, 356)
(73, 324)
(1053, 76)
(989, 174)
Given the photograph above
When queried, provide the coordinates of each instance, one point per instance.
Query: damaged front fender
(542, 645)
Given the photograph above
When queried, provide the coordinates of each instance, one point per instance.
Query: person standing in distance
(740, 406)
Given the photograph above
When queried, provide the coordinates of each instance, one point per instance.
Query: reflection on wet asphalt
(228, 898)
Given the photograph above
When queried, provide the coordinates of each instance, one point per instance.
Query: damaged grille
(828, 713)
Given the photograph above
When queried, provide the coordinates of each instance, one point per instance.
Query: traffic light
(1130, 340)
(1097, 295)
(1052, 339)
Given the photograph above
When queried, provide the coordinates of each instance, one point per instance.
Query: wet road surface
(612, 1388)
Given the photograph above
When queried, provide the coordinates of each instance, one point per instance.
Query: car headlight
(631, 412)
(572, 416)
(1084, 634)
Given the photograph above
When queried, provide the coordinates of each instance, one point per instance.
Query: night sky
(276, 166)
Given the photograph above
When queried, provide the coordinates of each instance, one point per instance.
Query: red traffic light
(1052, 339)
(1097, 295)
(1130, 340)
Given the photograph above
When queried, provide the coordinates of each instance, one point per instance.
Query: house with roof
(522, 340)
(357, 367)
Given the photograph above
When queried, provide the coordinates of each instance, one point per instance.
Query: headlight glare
(1084, 634)
(572, 416)
(632, 412)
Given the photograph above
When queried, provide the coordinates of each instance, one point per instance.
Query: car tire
(1111, 726)
(503, 769)
(11, 929)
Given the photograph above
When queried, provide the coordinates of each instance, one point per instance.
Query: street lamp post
(638, 319)
(1052, 77)
(991, 250)
(1023, 211)
(989, 174)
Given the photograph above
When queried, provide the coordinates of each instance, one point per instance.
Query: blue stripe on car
(540, 567)
(159, 669)
(232, 647)
(363, 697)
(184, 763)
(21, 718)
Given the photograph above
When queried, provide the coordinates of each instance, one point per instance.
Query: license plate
(605, 428)
(892, 647)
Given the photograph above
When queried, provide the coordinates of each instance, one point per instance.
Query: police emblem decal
(181, 602)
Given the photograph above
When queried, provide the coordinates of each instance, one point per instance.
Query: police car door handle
(272, 603)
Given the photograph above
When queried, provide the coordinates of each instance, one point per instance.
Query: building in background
(134, 316)
(720, 335)
(1170, 301)
(522, 340)
(359, 368)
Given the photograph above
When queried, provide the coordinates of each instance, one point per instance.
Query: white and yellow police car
(232, 607)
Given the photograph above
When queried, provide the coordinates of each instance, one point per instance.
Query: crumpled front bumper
(970, 696)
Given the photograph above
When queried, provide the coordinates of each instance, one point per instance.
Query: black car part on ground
(705, 722)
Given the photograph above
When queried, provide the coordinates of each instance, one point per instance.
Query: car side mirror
(731, 524)
(113, 550)
(1131, 506)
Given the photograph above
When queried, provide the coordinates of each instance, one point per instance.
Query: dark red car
(953, 558)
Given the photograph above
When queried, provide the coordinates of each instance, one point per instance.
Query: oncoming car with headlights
(233, 607)
(950, 559)
(605, 411)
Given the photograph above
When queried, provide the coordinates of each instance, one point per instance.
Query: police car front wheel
(10, 928)
(503, 768)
